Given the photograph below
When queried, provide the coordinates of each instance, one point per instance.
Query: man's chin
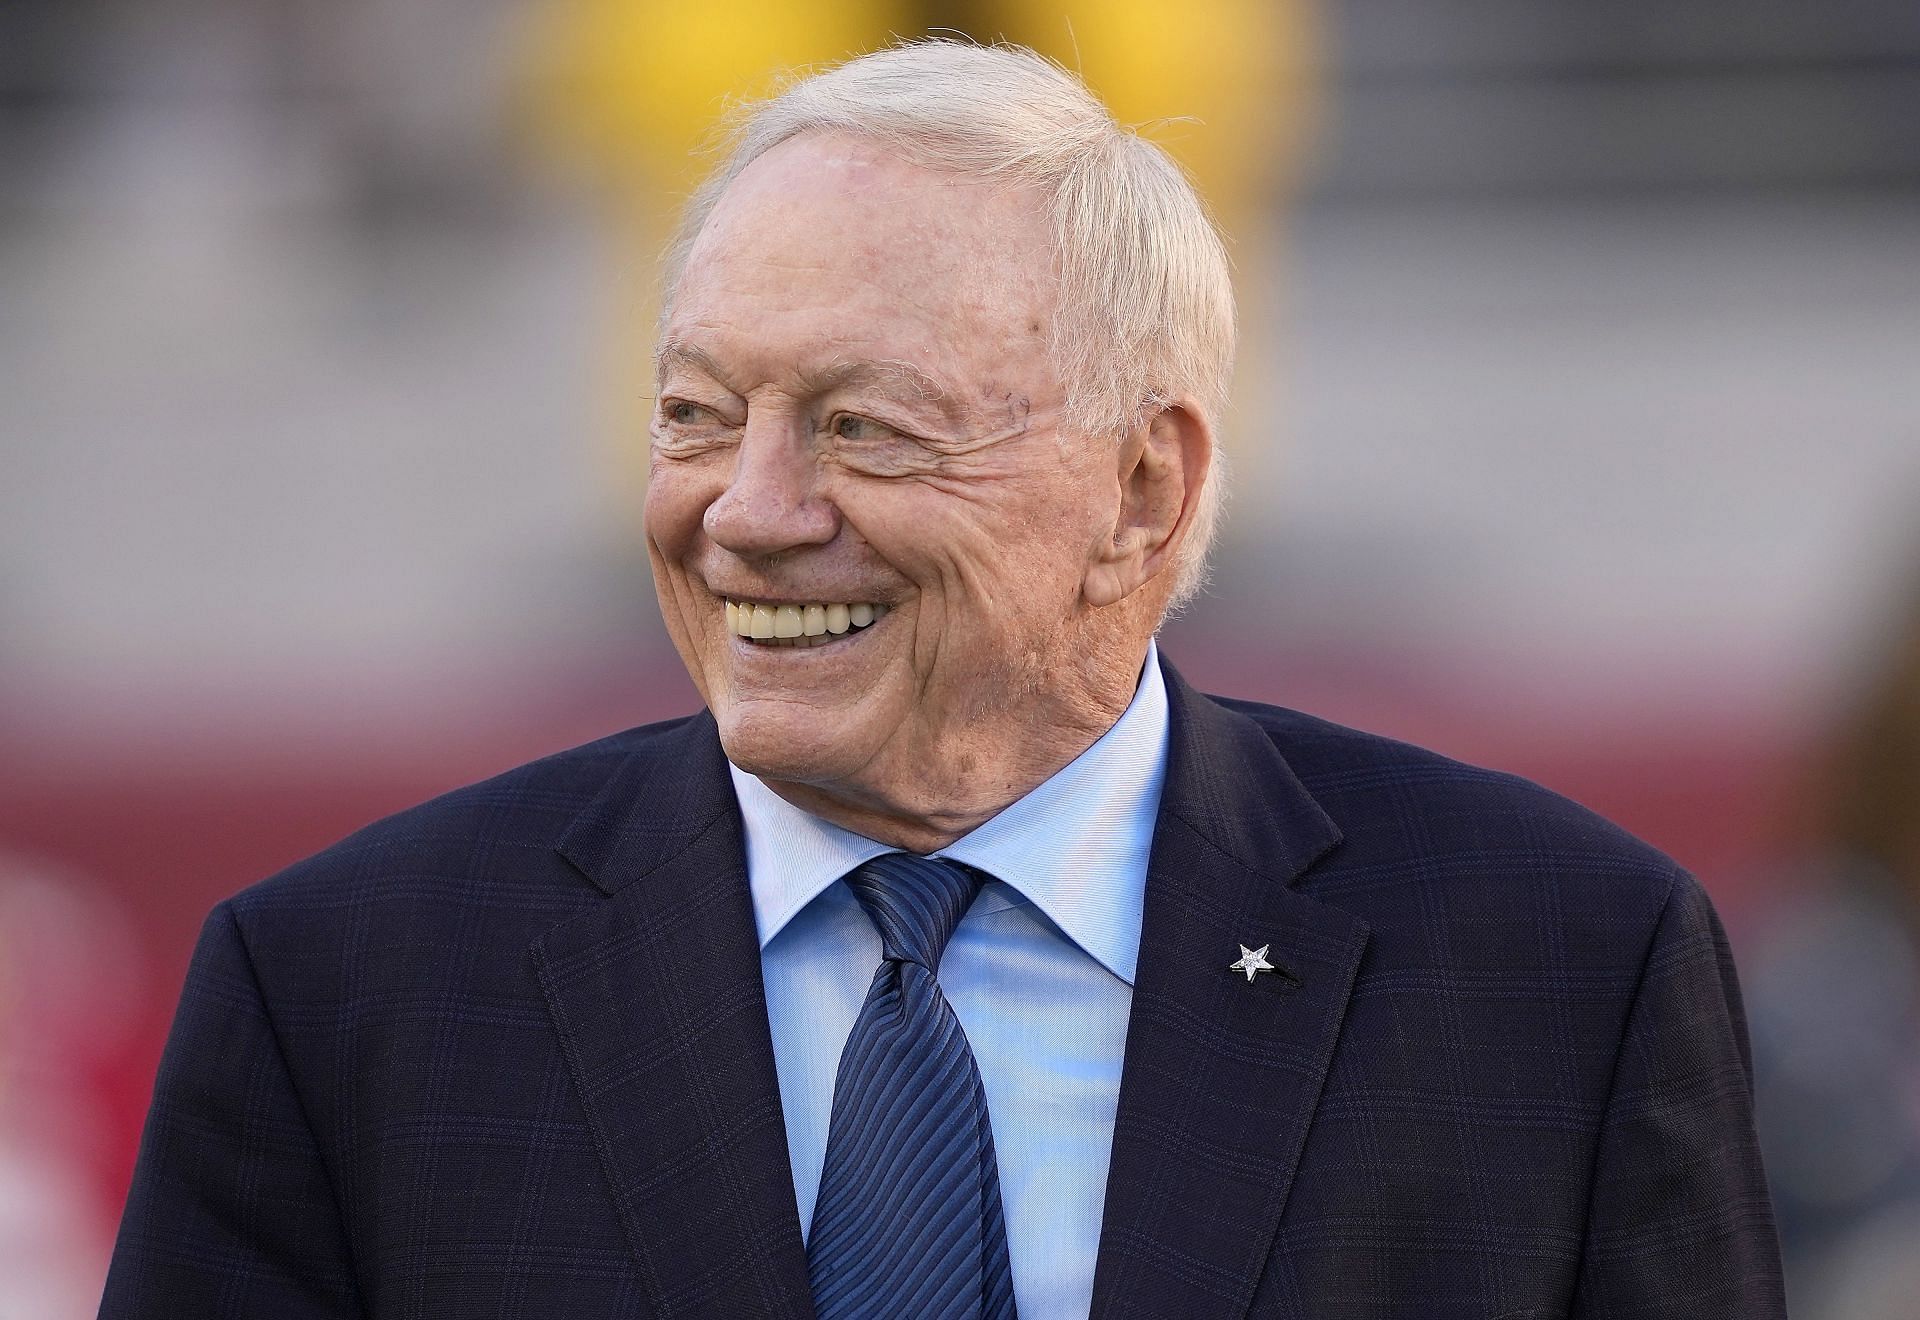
(786, 743)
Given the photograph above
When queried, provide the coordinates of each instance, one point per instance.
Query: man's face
(857, 409)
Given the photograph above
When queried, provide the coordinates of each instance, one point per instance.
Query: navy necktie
(908, 1221)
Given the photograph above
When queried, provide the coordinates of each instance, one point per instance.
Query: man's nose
(772, 502)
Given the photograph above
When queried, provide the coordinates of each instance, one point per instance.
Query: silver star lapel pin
(1252, 961)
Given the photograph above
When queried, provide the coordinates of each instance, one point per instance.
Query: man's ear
(1163, 464)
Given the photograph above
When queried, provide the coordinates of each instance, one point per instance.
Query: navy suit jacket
(506, 1054)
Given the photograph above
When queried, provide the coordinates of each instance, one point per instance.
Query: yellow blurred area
(1234, 77)
(635, 89)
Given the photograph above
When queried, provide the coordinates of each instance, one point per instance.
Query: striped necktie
(908, 1220)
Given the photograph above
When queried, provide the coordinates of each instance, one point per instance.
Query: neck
(955, 789)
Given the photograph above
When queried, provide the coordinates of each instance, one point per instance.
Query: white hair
(1145, 301)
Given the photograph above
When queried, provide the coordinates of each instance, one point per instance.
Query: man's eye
(851, 426)
(680, 412)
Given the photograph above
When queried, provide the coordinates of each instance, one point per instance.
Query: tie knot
(915, 902)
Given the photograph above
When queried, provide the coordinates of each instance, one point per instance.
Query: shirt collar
(1075, 847)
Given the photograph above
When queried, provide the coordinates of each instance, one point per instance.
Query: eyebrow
(887, 373)
(893, 374)
(675, 352)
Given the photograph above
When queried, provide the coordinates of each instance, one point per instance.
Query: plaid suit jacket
(506, 1054)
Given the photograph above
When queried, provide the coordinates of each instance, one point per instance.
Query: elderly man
(959, 959)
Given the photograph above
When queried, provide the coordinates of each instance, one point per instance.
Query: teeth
(799, 625)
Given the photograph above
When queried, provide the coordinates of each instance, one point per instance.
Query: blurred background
(1578, 434)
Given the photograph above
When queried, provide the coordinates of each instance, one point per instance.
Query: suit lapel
(657, 997)
(1222, 1075)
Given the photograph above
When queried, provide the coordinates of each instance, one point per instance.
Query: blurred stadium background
(1579, 434)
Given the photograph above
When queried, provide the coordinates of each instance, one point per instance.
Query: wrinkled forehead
(836, 223)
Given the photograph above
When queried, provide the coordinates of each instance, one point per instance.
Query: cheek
(1042, 551)
(1012, 588)
(677, 500)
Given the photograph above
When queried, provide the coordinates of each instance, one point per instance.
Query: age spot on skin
(1019, 409)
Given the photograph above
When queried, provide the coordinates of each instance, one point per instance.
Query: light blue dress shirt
(1040, 973)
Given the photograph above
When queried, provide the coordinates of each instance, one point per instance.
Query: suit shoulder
(1405, 807)
(497, 823)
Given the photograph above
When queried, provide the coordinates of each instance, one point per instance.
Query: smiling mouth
(799, 625)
